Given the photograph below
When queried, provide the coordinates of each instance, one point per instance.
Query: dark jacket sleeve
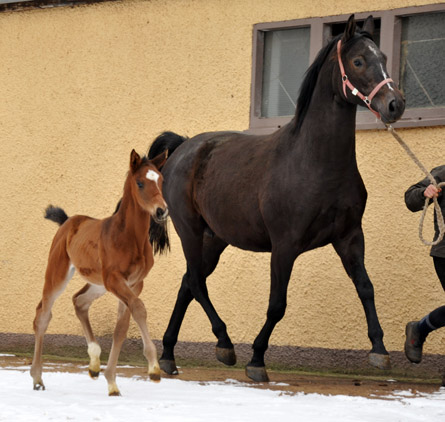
(414, 198)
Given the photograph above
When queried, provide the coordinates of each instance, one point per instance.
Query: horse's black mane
(311, 77)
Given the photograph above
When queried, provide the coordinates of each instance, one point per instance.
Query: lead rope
(439, 216)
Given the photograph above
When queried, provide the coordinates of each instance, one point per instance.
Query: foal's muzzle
(161, 214)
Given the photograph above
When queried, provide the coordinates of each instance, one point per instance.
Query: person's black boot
(413, 342)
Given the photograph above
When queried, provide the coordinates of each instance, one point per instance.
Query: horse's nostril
(161, 214)
(392, 106)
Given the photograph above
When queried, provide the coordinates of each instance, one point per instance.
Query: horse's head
(146, 184)
(364, 79)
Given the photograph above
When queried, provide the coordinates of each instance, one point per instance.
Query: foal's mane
(311, 77)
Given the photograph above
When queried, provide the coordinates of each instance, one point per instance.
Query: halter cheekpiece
(347, 83)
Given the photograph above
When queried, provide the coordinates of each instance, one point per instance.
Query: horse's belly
(243, 233)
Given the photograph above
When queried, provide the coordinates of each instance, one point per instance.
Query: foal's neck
(133, 219)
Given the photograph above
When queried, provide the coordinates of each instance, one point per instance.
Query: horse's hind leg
(167, 360)
(58, 274)
(211, 251)
(82, 301)
(351, 251)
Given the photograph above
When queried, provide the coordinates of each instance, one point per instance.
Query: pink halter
(347, 83)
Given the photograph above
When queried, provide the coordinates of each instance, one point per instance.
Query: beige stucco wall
(81, 87)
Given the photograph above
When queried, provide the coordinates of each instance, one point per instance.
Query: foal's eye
(140, 184)
(358, 63)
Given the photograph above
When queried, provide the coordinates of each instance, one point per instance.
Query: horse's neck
(132, 219)
(327, 135)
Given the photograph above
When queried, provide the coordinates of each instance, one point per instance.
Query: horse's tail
(166, 140)
(56, 214)
(158, 232)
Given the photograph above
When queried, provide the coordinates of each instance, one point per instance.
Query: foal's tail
(55, 214)
(158, 232)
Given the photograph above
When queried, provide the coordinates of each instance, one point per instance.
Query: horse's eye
(140, 184)
(358, 63)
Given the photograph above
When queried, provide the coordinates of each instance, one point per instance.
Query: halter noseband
(347, 83)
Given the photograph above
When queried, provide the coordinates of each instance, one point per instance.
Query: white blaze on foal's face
(152, 175)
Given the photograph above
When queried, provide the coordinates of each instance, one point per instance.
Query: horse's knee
(137, 309)
(365, 289)
(276, 311)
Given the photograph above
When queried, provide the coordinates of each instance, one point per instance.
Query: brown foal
(113, 254)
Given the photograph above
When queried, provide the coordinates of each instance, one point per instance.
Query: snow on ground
(75, 397)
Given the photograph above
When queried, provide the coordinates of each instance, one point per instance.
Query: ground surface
(289, 382)
(203, 395)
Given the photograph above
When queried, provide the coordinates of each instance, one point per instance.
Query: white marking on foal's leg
(113, 390)
(94, 351)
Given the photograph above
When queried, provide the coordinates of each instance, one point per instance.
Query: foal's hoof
(39, 386)
(155, 376)
(168, 366)
(379, 361)
(226, 356)
(93, 374)
(115, 393)
(257, 373)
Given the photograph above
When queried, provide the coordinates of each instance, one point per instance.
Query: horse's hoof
(155, 376)
(39, 386)
(114, 394)
(226, 356)
(168, 366)
(257, 373)
(379, 361)
(93, 374)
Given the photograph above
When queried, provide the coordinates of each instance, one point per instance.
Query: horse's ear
(135, 160)
(368, 26)
(160, 159)
(349, 30)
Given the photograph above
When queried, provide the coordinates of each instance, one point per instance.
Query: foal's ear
(160, 159)
(135, 161)
(368, 26)
(349, 30)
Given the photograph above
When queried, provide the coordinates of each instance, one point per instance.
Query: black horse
(285, 193)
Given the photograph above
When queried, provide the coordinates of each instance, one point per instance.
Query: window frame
(390, 44)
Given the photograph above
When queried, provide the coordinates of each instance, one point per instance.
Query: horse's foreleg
(281, 268)
(351, 251)
(119, 335)
(82, 301)
(56, 279)
(118, 287)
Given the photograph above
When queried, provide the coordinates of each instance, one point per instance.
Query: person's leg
(417, 331)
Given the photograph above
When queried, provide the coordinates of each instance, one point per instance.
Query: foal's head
(145, 184)
(364, 79)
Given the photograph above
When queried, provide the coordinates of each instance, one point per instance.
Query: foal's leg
(58, 274)
(281, 268)
(352, 251)
(116, 285)
(212, 249)
(82, 301)
(119, 335)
